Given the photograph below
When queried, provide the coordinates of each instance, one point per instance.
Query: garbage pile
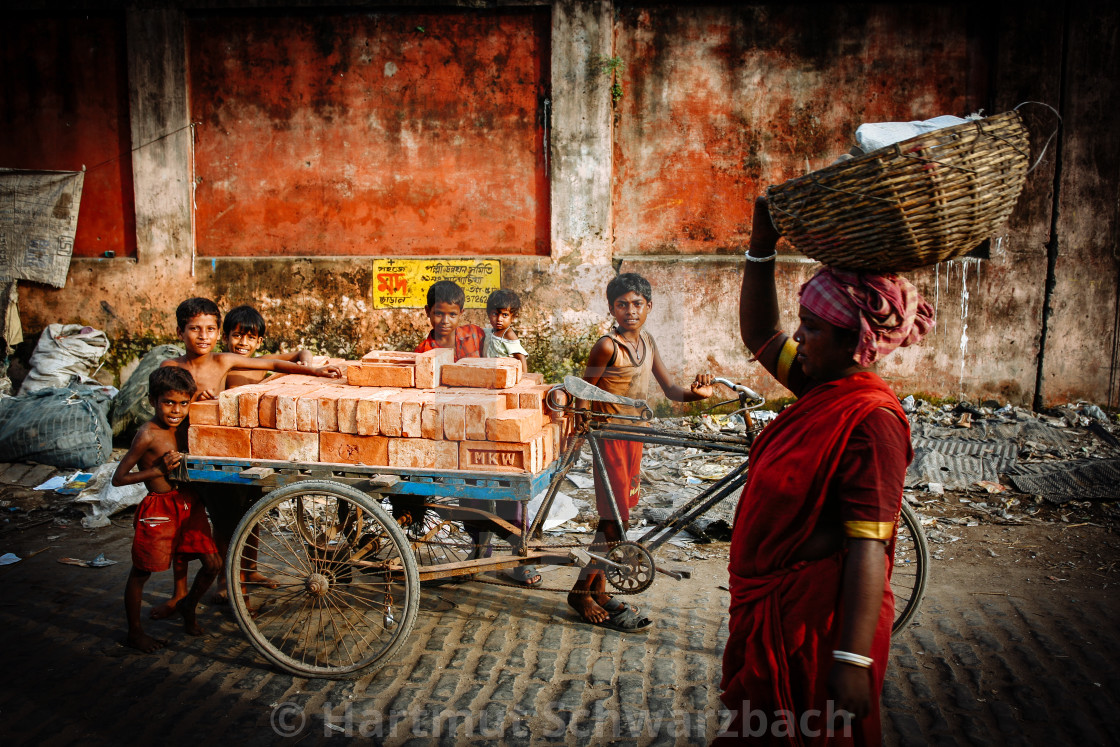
(973, 464)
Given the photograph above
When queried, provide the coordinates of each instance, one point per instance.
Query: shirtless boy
(199, 321)
(170, 522)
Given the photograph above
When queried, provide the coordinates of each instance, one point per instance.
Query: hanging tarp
(38, 219)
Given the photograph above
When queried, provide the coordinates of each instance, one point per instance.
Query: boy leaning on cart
(170, 523)
(622, 362)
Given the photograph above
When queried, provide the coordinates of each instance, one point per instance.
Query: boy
(242, 333)
(444, 309)
(198, 321)
(170, 522)
(621, 362)
(501, 341)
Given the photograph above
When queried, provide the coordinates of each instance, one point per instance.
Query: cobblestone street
(993, 659)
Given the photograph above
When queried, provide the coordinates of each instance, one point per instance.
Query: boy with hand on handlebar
(622, 362)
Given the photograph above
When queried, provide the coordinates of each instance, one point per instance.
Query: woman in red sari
(811, 605)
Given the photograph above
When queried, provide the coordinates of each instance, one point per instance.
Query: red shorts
(169, 524)
(623, 462)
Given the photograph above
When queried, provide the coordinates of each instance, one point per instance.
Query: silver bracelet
(767, 258)
(849, 658)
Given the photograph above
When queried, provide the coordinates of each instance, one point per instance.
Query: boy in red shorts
(170, 522)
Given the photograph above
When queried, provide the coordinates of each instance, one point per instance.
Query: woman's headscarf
(887, 310)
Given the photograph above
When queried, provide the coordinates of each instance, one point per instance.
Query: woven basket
(915, 203)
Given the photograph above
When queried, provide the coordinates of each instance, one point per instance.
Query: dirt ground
(1011, 606)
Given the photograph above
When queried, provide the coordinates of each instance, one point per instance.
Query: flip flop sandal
(526, 575)
(625, 621)
(614, 604)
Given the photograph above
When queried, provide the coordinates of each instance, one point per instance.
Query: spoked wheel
(911, 567)
(347, 590)
(437, 540)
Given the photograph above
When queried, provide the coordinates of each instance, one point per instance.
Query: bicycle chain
(495, 582)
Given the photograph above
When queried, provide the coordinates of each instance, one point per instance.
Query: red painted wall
(64, 104)
(719, 102)
(371, 134)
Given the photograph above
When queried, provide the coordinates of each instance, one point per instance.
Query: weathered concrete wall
(384, 134)
(698, 111)
(64, 107)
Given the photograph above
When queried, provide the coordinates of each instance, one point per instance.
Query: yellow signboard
(404, 283)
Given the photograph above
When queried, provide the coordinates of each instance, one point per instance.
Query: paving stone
(602, 671)
(425, 668)
(546, 666)
(631, 689)
(485, 667)
(504, 690)
(664, 672)
(577, 662)
(632, 659)
(496, 641)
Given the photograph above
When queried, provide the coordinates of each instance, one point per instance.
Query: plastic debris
(99, 562)
(8, 558)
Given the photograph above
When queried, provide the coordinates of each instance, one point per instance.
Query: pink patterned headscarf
(887, 309)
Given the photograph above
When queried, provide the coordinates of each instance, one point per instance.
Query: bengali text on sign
(404, 283)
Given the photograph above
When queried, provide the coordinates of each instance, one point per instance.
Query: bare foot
(587, 608)
(256, 577)
(190, 622)
(220, 596)
(144, 643)
(165, 610)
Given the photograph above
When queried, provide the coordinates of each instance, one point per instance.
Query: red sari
(784, 616)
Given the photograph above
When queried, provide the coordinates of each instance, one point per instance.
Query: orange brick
(431, 420)
(228, 413)
(346, 448)
(328, 409)
(391, 356)
(285, 407)
(487, 373)
(381, 374)
(204, 413)
(532, 377)
(390, 414)
(348, 407)
(219, 441)
(551, 443)
(429, 364)
(538, 452)
(266, 410)
(454, 420)
(248, 407)
(307, 411)
(294, 446)
(513, 426)
(481, 407)
(423, 453)
(411, 412)
(367, 412)
(533, 396)
(490, 456)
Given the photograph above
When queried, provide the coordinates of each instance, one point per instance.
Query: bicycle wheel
(437, 540)
(911, 567)
(345, 590)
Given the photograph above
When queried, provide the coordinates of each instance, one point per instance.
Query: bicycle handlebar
(743, 388)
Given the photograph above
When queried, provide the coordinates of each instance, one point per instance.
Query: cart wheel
(437, 540)
(639, 572)
(911, 567)
(347, 590)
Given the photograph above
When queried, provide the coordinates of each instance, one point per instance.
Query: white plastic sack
(563, 509)
(100, 499)
(65, 354)
(874, 135)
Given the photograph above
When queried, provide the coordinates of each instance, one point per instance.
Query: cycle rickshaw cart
(348, 548)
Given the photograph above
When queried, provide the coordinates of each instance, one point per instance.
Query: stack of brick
(413, 410)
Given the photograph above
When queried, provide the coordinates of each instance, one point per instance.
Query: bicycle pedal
(580, 557)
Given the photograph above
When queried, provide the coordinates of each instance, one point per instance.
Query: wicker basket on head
(915, 203)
